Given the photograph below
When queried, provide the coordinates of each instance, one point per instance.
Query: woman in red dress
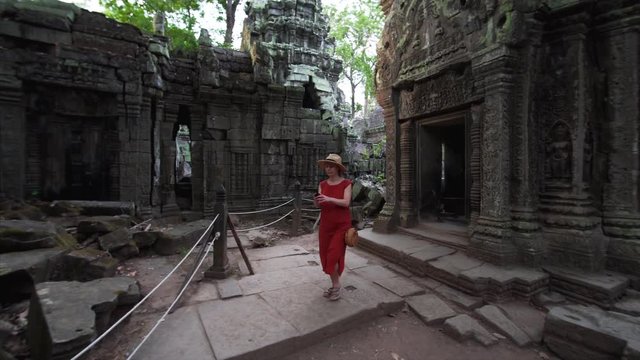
(333, 198)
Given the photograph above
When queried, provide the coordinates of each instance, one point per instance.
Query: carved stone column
(386, 221)
(168, 165)
(621, 218)
(572, 231)
(408, 215)
(527, 234)
(491, 237)
(12, 140)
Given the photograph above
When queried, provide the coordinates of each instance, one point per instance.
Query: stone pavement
(276, 311)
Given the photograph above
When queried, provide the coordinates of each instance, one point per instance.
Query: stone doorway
(443, 169)
(183, 163)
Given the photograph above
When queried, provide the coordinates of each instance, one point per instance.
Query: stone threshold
(454, 268)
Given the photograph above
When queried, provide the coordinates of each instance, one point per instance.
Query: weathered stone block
(463, 327)
(115, 240)
(21, 235)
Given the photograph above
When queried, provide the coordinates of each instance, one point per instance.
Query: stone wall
(552, 135)
(90, 109)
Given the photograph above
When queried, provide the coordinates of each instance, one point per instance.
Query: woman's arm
(315, 198)
(344, 202)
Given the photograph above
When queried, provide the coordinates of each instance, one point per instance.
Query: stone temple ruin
(512, 135)
(91, 108)
(524, 118)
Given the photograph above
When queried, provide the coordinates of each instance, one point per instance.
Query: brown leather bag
(351, 237)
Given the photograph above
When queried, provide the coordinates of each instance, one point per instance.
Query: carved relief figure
(559, 150)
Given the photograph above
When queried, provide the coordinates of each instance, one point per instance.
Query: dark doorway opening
(311, 99)
(443, 169)
(183, 174)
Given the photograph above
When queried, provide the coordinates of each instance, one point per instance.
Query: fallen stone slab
(88, 264)
(459, 298)
(430, 308)
(97, 208)
(228, 288)
(103, 224)
(115, 240)
(526, 317)
(400, 286)
(180, 237)
(74, 313)
(602, 289)
(145, 239)
(587, 332)
(40, 263)
(494, 316)
(463, 327)
(23, 235)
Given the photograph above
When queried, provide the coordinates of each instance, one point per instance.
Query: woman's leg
(335, 277)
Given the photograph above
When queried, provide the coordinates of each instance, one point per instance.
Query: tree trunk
(230, 10)
(353, 100)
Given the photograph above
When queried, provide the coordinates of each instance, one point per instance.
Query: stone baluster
(220, 268)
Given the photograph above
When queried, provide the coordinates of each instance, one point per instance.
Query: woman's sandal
(327, 293)
(335, 294)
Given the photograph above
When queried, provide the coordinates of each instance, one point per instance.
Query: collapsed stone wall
(547, 93)
(90, 110)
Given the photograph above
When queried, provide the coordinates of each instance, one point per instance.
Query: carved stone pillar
(168, 165)
(527, 234)
(408, 216)
(386, 221)
(572, 231)
(491, 237)
(12, 141)
(621, 218)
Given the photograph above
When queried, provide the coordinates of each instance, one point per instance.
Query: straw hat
(332, 159)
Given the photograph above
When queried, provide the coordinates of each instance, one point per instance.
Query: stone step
(576, 332)
(602, 289)
(269, 324)
(455, 268)
(454, 240)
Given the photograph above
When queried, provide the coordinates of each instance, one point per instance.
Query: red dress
(334, 222)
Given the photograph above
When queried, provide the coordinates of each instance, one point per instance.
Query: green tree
(180, 15)
(357, 29)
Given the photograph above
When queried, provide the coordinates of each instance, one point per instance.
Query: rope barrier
(94, 342)
(174, 301)
(307, 200)
(267, 225)
(261, 211)
(311, 210)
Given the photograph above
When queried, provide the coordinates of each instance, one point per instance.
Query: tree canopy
(181, 17)
(357, 28)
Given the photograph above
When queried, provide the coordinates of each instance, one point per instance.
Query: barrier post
(297, 214)
(220, 268)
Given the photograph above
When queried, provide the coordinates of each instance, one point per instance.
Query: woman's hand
(323, 199)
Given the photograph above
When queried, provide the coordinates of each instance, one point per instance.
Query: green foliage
(181, 18)
(357, 29)
(378, 149)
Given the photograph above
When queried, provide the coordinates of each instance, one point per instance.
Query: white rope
(261, 211)
(174, 301)
(267, 225)
(311, 210)
(78, 355)
(307, 200)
